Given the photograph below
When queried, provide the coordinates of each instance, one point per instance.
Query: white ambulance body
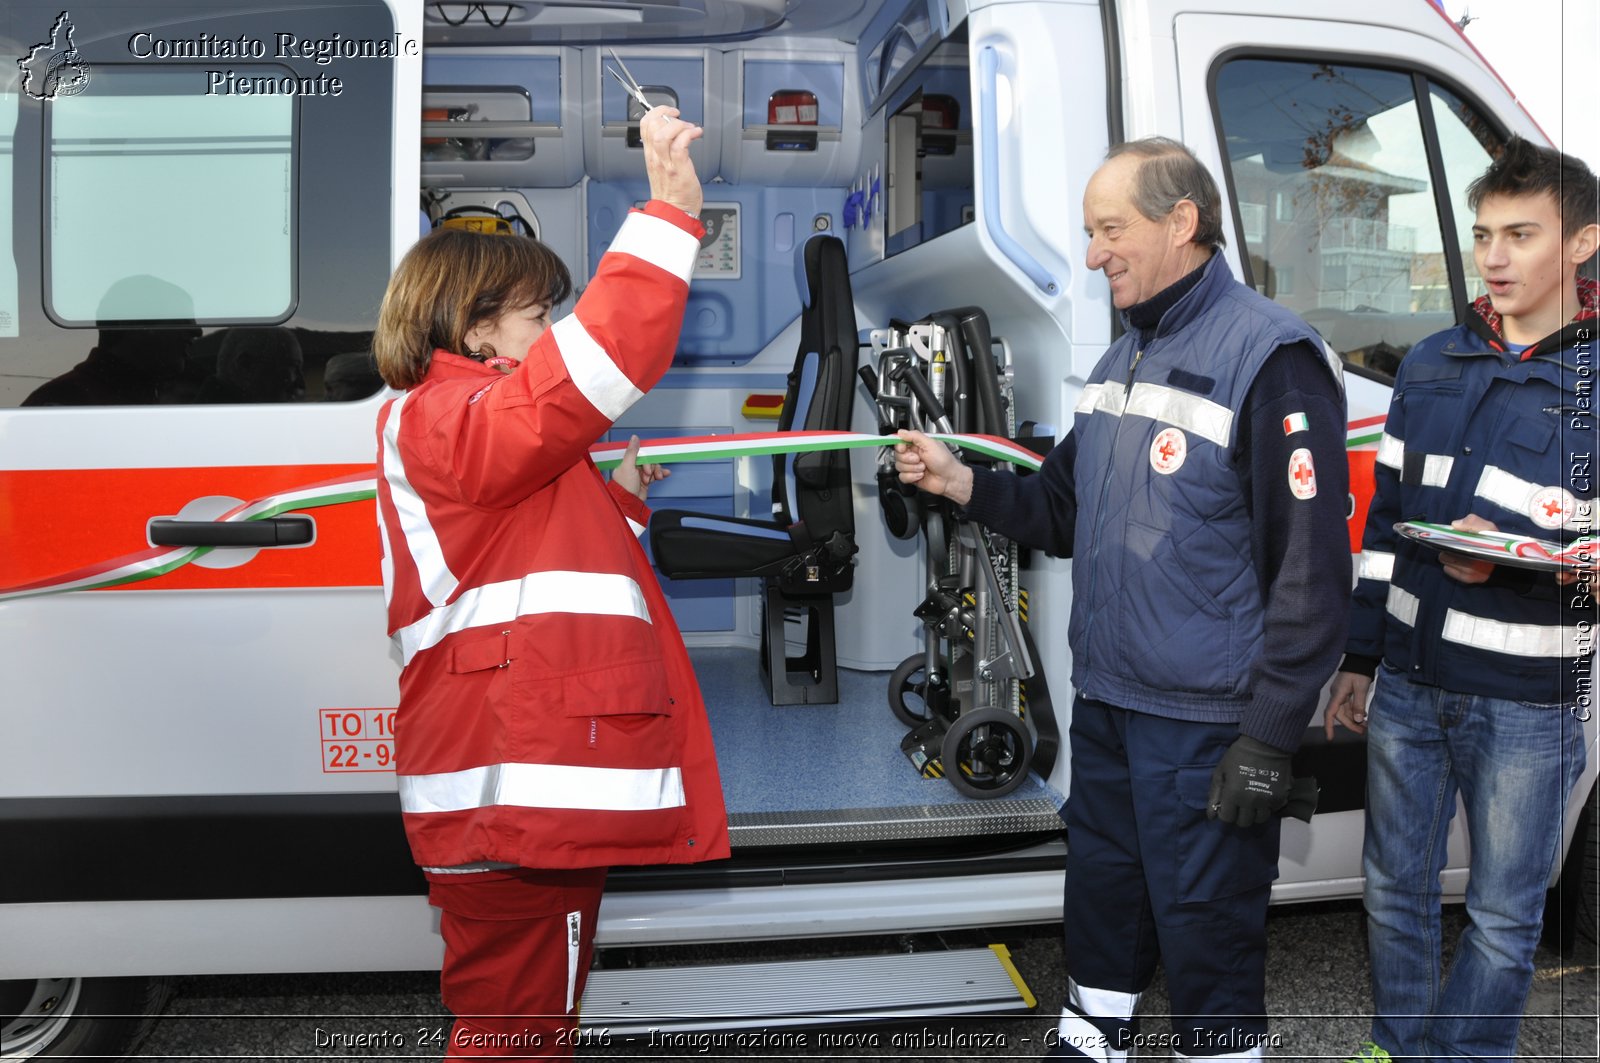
(200, 205)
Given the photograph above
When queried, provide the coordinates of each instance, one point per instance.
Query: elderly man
(1202, 495)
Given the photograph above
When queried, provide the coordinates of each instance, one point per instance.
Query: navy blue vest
(1167, 613)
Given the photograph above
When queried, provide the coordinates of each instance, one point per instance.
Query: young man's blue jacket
(1475, 428)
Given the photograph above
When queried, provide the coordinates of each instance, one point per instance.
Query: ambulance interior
(545, 135)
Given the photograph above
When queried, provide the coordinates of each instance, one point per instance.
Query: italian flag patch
(1295, 422)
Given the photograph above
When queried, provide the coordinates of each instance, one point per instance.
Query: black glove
(1250, 783)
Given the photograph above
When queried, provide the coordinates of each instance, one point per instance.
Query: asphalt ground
(1317, 994)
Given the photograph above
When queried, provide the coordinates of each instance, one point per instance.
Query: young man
(1491, 428)
(1211, 576)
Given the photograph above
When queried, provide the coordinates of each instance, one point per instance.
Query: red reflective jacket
(549, 715)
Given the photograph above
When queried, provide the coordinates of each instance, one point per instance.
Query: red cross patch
(1551, 507)
(1302, 474)
(1168, 451)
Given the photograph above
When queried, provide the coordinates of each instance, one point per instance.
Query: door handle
(273, 531)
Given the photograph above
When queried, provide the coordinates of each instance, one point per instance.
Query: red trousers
(517, 950)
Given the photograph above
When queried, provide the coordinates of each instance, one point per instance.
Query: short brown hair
(450, 281)
(1524, 168)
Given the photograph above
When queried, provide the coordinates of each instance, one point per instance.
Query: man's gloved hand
(1250, 783)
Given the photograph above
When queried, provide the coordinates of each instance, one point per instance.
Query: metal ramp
(793, 993)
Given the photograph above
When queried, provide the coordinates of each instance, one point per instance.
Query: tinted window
(1338, 206)
(168, 240)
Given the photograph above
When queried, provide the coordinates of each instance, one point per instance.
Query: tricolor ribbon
(157, 561)
(756, 444)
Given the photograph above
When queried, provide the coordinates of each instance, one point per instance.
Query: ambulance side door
(199, 209)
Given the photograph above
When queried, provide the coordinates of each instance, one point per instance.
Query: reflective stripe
(470, 869)
(1109, 397)
(1520, 640)
(385, 562)
(1079, 1034)
(433, 574)
(1436, 469)
(1516, 494)
(1182, 409)
(1402, 605)
(1391, 451)
(543, 786)
(637, 528)
(658, 242)
(1375, 564)
(574, 943)
(588, 593)
(1101, 1003)
(593, 373)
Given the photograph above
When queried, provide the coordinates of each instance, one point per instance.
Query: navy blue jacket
(1210, 578)
(1474, 429)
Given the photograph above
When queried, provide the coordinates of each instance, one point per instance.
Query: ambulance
(200, 205)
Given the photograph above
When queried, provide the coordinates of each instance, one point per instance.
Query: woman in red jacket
(550, 724)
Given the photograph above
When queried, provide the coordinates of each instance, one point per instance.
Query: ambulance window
(1338, 208)
(185, 199)
(1466, 147)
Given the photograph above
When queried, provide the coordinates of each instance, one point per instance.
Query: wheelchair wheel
(912, 703)
(986, 753)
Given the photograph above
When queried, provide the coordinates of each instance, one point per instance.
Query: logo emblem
(1302, 475)
(1552, 508)
(54, 68)
(1168, 451)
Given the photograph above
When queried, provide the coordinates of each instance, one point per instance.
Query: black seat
(803, 554)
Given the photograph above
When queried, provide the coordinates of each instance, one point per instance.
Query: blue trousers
(1514, 765)
(1150, 878)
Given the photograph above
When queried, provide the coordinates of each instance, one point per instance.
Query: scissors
(628, 83)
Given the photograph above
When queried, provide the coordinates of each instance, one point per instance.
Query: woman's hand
(635, 478)
(666, 139)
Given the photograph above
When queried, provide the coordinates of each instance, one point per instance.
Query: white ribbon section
(435, 577)
(543, 786)
(1375, 564)
(593, 373)
(1520, 640)
(1182, 409)
(588, 593)
(1251, 1053)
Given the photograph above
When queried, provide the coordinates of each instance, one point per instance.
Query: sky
(1548, 51)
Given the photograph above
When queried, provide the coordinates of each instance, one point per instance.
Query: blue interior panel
(686, 77)
(539, 74)
(728, 322)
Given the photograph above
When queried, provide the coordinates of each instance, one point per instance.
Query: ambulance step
(805, 992)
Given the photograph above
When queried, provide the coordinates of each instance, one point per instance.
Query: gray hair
(1169, 172)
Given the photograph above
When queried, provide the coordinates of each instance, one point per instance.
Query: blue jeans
(1514, 764)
